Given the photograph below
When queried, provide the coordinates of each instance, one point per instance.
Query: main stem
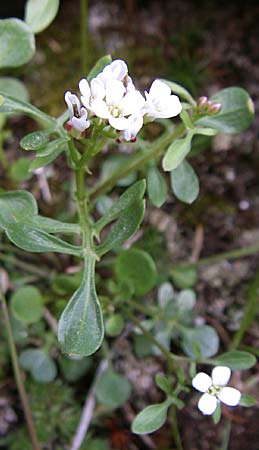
(83, 210)
(84, 35)
(18, 376)
(175, 429)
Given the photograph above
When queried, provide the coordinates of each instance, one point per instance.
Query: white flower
(135, 123)
(160, 103)
(77, 114)
(215, 390)
(118, 105)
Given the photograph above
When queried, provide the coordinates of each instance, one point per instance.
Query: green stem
(84, 35)
(18, 376)
(175, 428)
(139, 160)
(249, 314)
(27, 267)
(232, 254)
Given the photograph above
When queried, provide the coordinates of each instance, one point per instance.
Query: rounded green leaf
(236, 113)
(17, 43)
(14, 87)
(185, 183)
(112, 389)
(200, 341)
(27, 304)
(156, 187)
(114, 325)
(235, 360)
(74, 369)
(137, 267)
(19, 170)
(40, 13)
(150, 419)
(41, 366)
(184, 277)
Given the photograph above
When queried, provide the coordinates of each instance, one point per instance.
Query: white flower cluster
(112, 96)
(215, 390)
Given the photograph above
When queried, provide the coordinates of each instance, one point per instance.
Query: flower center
(114, 110)
(214, 390)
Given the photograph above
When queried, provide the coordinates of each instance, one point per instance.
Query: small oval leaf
(27, 304)
(176, 152)
(235, 360)
(80, 328)
(156, 187)
(185, 183)
(150, 419)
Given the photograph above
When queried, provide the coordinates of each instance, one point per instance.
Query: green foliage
(17, 43)
(150, 419)
(80, 330)
(247, 401)
(19, 170)
(19, 219)
(184, 277)
(14, 87)
(112, 389)
(201, 341)
(156, 187)
(185, 183)
(99, 66)
(74, 369)
(114, 325)
(36, 140)
(42, 368)
(12, 105)
(128, 222)
(124, 202)
(49, 152)
(137, 268)
(40, 13)
(236, 113)
(235, 360)
(27, 304)
(176, 152)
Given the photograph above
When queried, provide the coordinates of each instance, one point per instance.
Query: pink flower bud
(202, 102)
(214, 108)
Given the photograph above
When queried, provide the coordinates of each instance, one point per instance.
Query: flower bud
(202, 102)
(214, 108)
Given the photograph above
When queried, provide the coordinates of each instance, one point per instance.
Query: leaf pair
(25, 228)
(129, 209)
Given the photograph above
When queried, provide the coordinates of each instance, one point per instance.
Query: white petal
(135, 124)
(119, 69)
(84, 88)
(114, 91)
(220, 375)
(202, 382)
(132, 103)
(119, 123)
(71, 100)
(159, 89)
(172, 108)
(81, 123)
(97, 89)
(207, 404)
(230, 396)
(100, 109)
